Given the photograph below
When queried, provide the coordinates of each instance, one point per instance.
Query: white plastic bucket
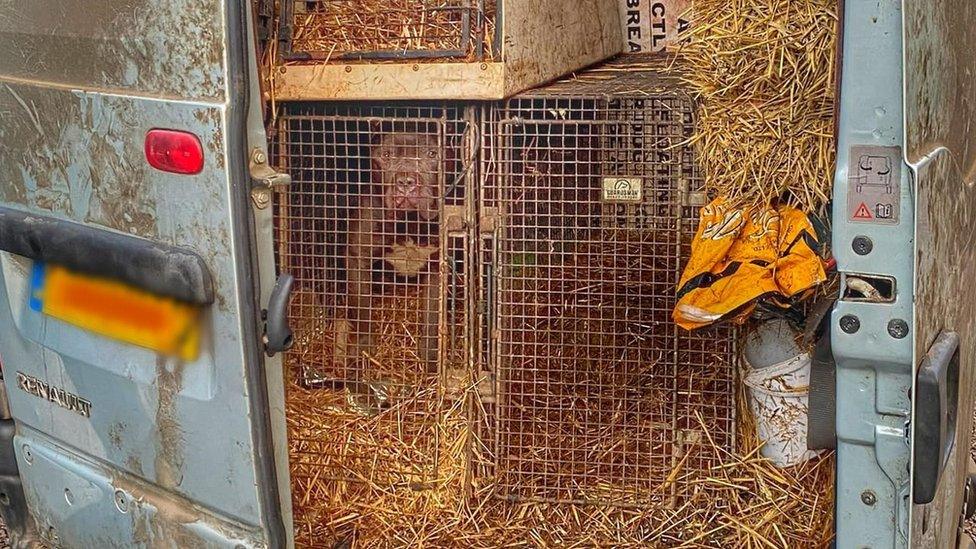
(779, 394)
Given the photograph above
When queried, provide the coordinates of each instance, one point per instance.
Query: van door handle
(155, 267)
(278, 336)
(936, 415)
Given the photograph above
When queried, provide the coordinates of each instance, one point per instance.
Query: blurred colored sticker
(116, 310)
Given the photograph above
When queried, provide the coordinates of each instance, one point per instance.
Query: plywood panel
(546, 39)
(483, 81)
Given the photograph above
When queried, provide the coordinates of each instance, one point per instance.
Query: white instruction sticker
(874, 185)
(623, 189)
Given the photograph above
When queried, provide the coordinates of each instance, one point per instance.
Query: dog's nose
(406, 181)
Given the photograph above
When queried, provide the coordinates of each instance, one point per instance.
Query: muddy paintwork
(172, 49)
(81, 83)
(940, 135)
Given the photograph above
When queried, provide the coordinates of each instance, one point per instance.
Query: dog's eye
(431, 153)
(386, 154)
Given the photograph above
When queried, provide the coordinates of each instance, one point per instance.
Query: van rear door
(130, 322)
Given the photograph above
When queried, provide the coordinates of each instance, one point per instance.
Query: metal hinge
(486, 387)
(265, 178)
(455, 218)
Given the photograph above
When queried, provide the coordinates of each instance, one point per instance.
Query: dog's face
(406, 167)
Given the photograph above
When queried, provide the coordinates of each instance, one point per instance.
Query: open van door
(904, 220)
(940, 110)
(134, 348)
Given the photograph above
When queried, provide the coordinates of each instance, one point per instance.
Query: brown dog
(404, 203)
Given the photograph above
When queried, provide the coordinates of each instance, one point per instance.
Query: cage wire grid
(364, 30)
(599, 398)
(558, 311)
(380, 301)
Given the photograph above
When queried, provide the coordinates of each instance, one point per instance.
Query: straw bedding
(765, 74)
(744, 501)
(337, 27)
(424, 473)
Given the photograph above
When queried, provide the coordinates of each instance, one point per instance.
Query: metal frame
(874, 368)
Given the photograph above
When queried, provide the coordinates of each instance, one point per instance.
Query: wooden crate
(535, 41)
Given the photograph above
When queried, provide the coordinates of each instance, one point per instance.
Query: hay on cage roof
(333, 28)
(765, 73)
(328, 29)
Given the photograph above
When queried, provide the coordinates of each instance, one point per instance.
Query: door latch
(278, 335)
(265, 179)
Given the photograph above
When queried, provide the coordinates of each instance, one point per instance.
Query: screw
(862, 245)
(898, 328)
(416, 68)
(868, 498)
(348, 68)
(121, 502)
(28, 455)
(850, 324)
(259, 157)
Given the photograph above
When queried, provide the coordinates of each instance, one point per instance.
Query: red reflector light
(174, 151)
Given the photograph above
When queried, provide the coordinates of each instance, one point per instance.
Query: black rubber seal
(157, 268)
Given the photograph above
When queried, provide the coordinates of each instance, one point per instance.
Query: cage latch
(489, 219)
(455, 218)
(689, 198)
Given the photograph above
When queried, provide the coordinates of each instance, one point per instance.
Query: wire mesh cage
(373, 229)
(483, 305)
(348, 30)
(599, 398)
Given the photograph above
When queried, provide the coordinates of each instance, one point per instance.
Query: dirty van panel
(939, 64)
(169, 49)
(118, 444)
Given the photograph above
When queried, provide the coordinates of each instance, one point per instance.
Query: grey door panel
(81, 83)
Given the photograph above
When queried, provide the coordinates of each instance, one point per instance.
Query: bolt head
(850, 324)
(261, 197)
(868, 497)
(898, 328)
(862, 245)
